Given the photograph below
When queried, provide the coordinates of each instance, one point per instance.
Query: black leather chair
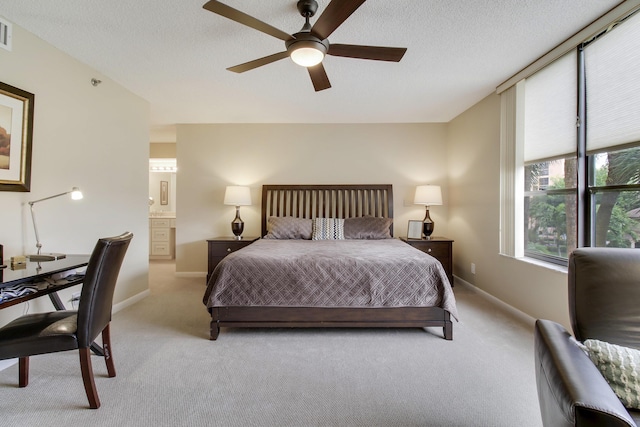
(604, 304)
(41, 333)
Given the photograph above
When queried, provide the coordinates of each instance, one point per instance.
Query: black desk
(39, 271)
(36, 272)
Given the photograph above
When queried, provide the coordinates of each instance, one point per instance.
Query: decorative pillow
(328, 229)
(367, 227)
(288, 227)
(620, 366)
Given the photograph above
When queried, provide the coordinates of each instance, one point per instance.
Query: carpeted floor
(170, 374)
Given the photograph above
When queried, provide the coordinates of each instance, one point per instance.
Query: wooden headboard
(326, 201)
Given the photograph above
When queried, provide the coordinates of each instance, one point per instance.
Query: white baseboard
(130, 301)
(524, 317)
(4, 364)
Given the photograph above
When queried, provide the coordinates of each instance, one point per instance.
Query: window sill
(540, 263)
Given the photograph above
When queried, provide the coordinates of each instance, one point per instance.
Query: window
(575, 129)
(550, 210)
(613, 136)
(550, 167)
(615, 198)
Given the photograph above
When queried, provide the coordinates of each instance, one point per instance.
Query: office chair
(42, 333)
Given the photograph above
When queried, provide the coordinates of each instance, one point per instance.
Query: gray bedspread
(330, 273)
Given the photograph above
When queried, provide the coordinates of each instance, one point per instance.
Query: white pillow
(620, 366)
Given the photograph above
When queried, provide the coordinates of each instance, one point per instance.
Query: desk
(40, 271)
(36, 272)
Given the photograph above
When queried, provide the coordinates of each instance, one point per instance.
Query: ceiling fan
(309, 46)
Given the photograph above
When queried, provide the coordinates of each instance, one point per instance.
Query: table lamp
(76, 194)
(237, 196)
(428, 195)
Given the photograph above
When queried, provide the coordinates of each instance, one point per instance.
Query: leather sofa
(604, 304)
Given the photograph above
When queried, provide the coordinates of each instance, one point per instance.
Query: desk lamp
(237, 196)
(428, 195)
(76, 194)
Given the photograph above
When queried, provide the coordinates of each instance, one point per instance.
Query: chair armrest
(571, 390)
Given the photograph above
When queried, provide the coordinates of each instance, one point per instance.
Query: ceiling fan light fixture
(306, 50)
(307, 56)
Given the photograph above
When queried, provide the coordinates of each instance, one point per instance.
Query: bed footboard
(330, 317)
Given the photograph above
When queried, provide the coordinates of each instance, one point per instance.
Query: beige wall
(210, 157)
(162, 150)
(95, 138)
(473, 141)
(463, 156)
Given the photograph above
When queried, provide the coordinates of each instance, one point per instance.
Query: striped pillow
(328, 229)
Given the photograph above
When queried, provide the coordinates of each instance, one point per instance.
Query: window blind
(550, 111)
(613, 87)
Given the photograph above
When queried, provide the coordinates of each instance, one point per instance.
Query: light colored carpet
(170, 374)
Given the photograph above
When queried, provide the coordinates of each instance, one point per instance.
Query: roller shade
(550, 111)
(613, 87)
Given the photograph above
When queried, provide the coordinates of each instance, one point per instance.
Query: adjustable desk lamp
(76, 194)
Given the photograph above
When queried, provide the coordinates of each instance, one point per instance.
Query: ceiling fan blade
(258, 62)
(377, 53)
(319, 77)
(242, 18)
(334, 14)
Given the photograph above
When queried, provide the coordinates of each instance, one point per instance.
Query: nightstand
(220, 247)
(440, 248)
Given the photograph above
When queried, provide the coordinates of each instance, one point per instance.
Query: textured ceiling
(175, 54)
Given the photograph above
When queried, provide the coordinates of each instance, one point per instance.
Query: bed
(327, 259)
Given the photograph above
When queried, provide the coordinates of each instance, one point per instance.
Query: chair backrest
(96, 299)
(604, 295)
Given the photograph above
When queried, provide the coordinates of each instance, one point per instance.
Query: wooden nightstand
(220, 247)
(440, 248)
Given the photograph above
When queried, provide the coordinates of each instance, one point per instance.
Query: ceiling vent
(5, 34)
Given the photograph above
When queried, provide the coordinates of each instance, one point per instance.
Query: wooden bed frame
(329, 201)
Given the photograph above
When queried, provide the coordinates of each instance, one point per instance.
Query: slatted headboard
(326, 201)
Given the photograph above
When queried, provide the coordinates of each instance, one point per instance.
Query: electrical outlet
(473, 268)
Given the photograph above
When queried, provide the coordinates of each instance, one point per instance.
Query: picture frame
(414, 231)
(16, 137)
(164, 192)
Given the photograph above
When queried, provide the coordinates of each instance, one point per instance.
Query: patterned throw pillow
(328, 229)
(620, 366)
(288, 227)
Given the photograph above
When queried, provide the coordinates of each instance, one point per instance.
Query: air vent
(5, 34)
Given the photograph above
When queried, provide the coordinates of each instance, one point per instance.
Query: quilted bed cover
(330, 273)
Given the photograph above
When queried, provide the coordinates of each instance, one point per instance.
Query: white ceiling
(175, 54)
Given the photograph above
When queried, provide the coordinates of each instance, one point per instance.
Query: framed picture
(164, 192)
(16, 133)
(415, 230)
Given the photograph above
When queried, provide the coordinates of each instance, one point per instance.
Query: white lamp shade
(76, 194)
(429, 195)
(237, 195)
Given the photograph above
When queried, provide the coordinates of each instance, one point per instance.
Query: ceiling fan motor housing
(305, 39)
(307, 8)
